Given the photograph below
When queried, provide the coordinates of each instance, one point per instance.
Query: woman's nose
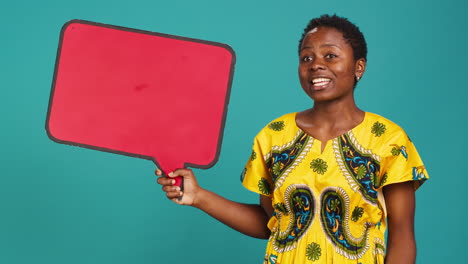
(316, 65)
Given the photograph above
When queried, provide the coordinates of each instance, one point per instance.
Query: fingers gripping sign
(179, 195)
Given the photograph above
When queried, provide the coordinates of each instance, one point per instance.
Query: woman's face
(327, 69)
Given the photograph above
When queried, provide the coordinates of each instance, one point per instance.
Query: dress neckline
(324, 145)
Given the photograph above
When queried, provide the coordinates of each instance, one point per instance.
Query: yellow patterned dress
(329, 206)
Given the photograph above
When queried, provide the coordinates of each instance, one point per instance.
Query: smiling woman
(327, 68)
(331, 178)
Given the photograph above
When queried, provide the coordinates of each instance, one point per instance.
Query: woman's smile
(320, 83)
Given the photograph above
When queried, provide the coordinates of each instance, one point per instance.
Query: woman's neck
(325, 121)
(334, 113)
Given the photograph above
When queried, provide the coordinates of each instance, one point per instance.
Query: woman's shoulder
(286, 119)
(285, 124)
(381, 134)
(282, 122)
(380, 125)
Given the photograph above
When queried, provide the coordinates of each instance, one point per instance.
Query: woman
(331, 178)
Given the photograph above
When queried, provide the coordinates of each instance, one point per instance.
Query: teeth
(320, 80)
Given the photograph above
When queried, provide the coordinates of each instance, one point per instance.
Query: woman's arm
(250, 219)
(400, 202)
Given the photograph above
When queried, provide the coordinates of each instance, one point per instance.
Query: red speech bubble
(142, 94)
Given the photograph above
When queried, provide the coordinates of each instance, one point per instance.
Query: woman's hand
(190, 185)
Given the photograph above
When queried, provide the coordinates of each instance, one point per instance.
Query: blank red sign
(142, 94)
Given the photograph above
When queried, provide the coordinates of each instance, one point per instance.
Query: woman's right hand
(188, 195)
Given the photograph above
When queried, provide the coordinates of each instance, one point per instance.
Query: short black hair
(351, 33)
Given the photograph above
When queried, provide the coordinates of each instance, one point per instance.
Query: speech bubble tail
(167, 164)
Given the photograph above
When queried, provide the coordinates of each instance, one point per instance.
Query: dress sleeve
(401, 162)
(256, 176)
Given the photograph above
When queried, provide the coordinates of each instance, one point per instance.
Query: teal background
(63, 204)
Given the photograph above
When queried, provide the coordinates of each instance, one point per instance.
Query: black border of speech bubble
(226, 100)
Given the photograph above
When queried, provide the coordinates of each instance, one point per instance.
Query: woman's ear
(360, 68)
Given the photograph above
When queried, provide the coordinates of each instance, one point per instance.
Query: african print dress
(329, 206)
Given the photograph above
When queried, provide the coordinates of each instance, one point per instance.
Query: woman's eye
(330, 56)
(307, 58)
